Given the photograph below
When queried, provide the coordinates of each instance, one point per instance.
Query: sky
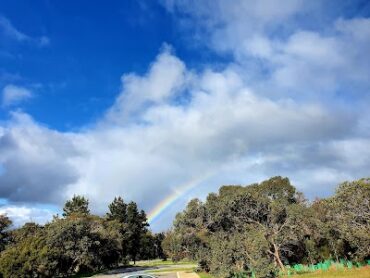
(164, 101)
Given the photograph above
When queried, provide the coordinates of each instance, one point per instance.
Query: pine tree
(118, 210)
(78, 205)
(136, 229)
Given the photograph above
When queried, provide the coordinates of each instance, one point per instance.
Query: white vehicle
(139, 276)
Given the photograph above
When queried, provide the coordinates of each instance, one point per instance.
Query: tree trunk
(277, 257)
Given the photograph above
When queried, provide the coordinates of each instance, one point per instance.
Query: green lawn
(205, 275)
(161, 262)
(168, 266)
(363, 272)
(173, 269)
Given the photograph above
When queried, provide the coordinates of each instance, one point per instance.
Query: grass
(168, 270)
(83, 275)
(161, 262)
(362, 272)
(168, 266)
(205, 275)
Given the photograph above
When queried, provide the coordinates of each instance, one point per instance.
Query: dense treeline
(259, 228)
(78, 242)
(263, 227)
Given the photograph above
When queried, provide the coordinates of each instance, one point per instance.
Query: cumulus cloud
(290, 46)
(223, 127)
(164, 79)
(34, 160)
(24, 214)
(276, 108)
(338, 58)
(13, 95)
(228, 26)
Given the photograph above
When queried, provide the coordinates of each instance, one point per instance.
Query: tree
(5, 223)
(271, 208)
(61, 248)
(136, 229)
(27, 256)
(78, 205)
(77, 243)
(117, 210)
(118, 213)
(349, 211)
(190, 225)
(255, 228)
(83, 244)
(29, 229)
(172, 246)
(159, 252)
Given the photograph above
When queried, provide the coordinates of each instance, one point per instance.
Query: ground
(363, 272)
(157, 268)
(168, 269)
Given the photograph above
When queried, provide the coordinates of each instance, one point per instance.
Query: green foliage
(78, 205)
(350, 208)
(28, 257)
(117, 210)
(136, 241)
(136, 229)
(172, 246)
(252, 231)
(258, 229)
(5, 223)
(78, 243)
(81, 245)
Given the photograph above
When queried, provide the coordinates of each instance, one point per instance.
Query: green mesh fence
(300, 268)
(322, 266)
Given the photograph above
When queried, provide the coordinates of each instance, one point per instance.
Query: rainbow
(175, 195)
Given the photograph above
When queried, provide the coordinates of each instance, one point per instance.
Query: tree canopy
(262, 227)
(259, 229)
(77, 243)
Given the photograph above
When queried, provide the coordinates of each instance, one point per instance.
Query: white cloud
(290, 46)
(223, 125)
(228, 26)
(271, 110)
(164, 79)
(23, 214)
(326, 63)
(9, 31)
(13, 95)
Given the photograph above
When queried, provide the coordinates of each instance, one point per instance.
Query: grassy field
(161, 262)
(204, 275)
(363, 272)
(171, 270)
(168, 266)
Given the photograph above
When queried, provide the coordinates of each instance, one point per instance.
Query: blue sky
(136, 98)
(77, 74)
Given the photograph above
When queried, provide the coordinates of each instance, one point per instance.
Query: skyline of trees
(78, 242)
(258, 228)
